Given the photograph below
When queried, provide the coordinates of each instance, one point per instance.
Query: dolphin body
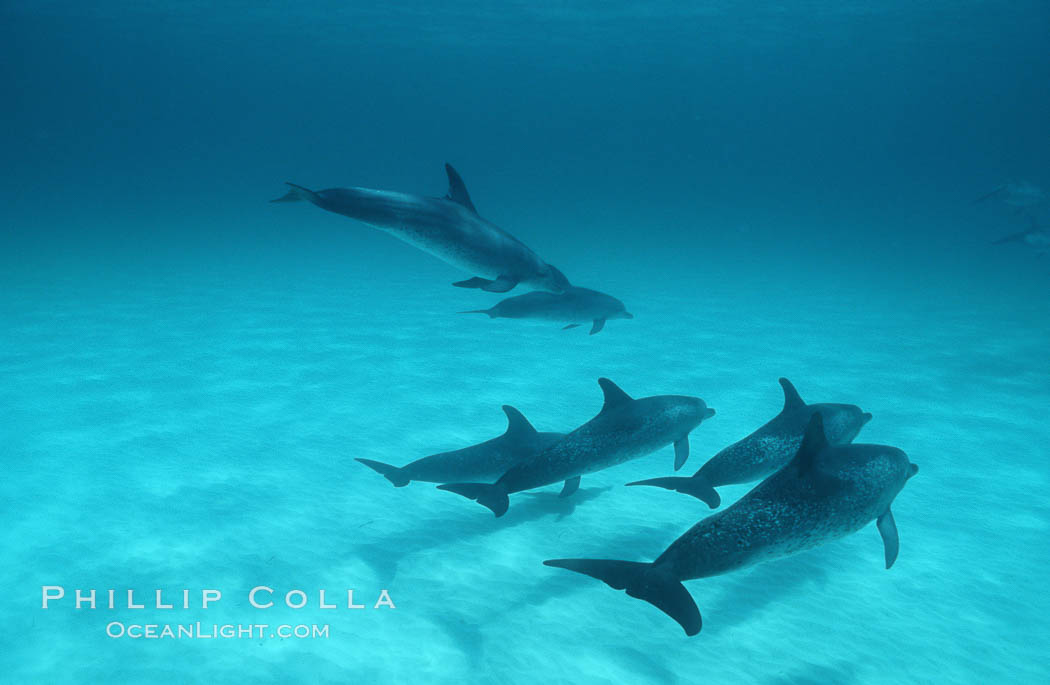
(448, 228)
(624, 429)
(1035, 237)
(825, 492)
(1019, 195)
(574, 305)
(485, 461)
(767, 449)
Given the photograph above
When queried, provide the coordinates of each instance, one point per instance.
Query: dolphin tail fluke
(492, 496)
(644, 581)
(392, 473)
(695, 485)
(297, 193)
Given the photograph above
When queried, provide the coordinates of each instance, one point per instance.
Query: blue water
(189, 371)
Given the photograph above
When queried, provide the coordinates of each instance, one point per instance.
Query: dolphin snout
(628, 315)
(709, 413)
(912, 469)
(864, 418)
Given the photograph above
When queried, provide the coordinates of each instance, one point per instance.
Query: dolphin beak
(914, 468)
(709, 413)
(865, 417)
(628, 315)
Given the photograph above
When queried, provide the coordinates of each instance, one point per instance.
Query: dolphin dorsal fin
(457, 189)
(517, 424)
(812, 443)
(614, 396)
(792, 400)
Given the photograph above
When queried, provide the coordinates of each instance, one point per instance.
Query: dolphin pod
(624, 429)
(768, 448)
(825, 492)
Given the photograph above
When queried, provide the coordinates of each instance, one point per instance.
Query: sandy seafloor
(174, 423)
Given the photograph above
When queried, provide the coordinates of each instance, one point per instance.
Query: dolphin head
(842, 422)
(619, 310)
(685, 413)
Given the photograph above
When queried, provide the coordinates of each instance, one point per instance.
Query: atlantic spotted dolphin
(624, 429)
(768, 448)
(1017, 194)
(485, 461)
(575, 305)
(1035, 237)
(448, 228)
(825, 492)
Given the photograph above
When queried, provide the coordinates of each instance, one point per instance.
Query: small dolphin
(1016, 194)
(624, 429)
(768, 448)
(485, 461)
(575, 305)
(1035, 237)
(448, 228)
(824, 493)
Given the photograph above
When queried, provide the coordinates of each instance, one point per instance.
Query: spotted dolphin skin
(825, 492)
(624, 429)
(448, 228)
(575, 305)
(486, 460)
(768, 448)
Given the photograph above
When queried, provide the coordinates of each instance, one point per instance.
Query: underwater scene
(550, 341)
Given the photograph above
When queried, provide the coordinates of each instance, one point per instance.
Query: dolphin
(448, 228)
(768, 448)
(1035, 237)
(484, 461)
(624, 429)
(826, 492)
(1016, 194)
(574, 305)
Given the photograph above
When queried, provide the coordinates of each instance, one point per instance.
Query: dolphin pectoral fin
(641, 581)
(681, 452)
(890, 540)
(598, 325)
(571, 486)
(697, 486)
(475, 282)
(571, 325)
(500, 285)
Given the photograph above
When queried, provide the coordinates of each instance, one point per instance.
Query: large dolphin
(624, 429)
(448, 228)
(1035, 237)
(825, 492)
(575, 305)
(768, 448)
(485, 461)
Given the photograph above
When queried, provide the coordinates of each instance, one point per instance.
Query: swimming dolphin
(448, 228)
(484, 461)
(1016, 194)
(624, 429)
(1035, 237)
(768, 448)
(825, 492)
(573, 305)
